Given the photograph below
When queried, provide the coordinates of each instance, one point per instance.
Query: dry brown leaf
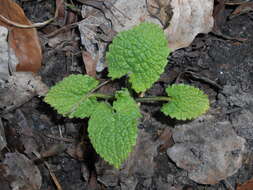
(161, 10)
(8, 60)
(189, 19)
(61, 9)
(24, 42)
(21, 87)
(248, 185)
(166, 140)
(182, 20)
(20, 172)
(90, 64)
(125, 14)
(185, 19)
(93, 18)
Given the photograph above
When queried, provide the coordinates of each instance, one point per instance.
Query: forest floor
(222, 68)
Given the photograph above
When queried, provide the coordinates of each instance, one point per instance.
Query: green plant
(141, 54)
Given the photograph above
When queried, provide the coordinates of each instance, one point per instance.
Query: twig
(205, 79)
(73, 8)
(64, 28)
(36, 25)
(60, 138)
(56, 182)
(100, 85)
(226, 37)
(60, 131)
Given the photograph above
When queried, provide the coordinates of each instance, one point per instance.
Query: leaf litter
(8, 60)
(24, 42)
(20, 172)
(100, 23)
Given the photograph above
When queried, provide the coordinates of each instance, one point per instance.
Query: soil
(222, 68)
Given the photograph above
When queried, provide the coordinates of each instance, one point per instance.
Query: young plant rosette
(141, 54)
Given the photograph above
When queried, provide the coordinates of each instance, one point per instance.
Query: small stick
(60, 138)
(64, 28)
(36, 25)
(100, 85)
(56, 182)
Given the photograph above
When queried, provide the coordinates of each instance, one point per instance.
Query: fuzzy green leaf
(113, 130)
(140, 52)
(187, 102)
(70, 96)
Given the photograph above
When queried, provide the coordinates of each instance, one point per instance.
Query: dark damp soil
(210, 63)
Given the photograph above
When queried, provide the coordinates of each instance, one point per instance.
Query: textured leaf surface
(187, 102)
(141, 53)
(70, 96)
(113, 130)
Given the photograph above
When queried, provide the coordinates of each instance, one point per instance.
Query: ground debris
(24, 42)
(248, 185)
(88, 27)
(20, 172)
(189, 19)
(8, 60)
(208, 149)
(20, 88)
(3, 142)
(242, 9)
(140, 164)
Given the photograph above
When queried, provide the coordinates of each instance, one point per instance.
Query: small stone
(209, 150)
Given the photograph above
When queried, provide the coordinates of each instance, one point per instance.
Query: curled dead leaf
(8, 60)
(24, 42)
(189, 19)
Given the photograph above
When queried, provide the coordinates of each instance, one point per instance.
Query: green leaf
(71, 97)
(113, 130)
(187, 102)
(140, 52)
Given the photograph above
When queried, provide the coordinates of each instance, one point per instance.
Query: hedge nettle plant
(141, 54)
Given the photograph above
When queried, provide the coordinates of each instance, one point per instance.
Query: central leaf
(113, 130)
(141, 53)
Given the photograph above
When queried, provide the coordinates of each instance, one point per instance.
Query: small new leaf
(187, 102)
(140, 52)
(113, 130)
(71, 97)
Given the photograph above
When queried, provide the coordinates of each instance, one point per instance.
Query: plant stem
(143, 99)
(103, 96)
(153, 99)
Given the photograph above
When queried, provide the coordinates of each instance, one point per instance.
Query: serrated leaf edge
(205, 109)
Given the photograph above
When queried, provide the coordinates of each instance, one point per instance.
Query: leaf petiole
(142, 99)
(153, 99)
